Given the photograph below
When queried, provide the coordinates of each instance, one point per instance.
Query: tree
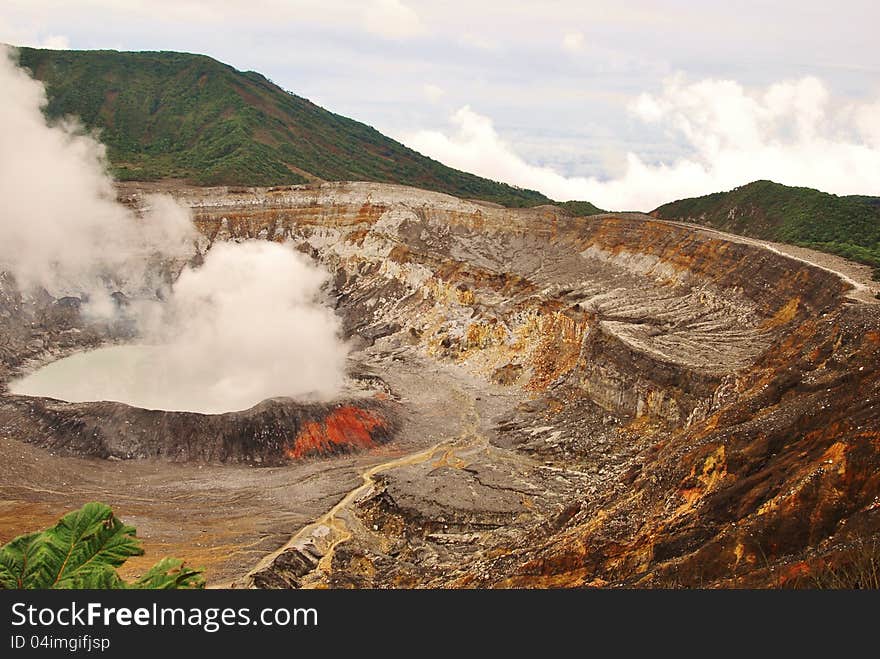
(83, 550)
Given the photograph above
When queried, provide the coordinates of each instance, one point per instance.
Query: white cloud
(479, 41)
(16, 36)
(392, 19)
(865, 117)
(476, 147)
(432, 92)
(573, 42)
(791, 132)
(508, 60)
(54, 42)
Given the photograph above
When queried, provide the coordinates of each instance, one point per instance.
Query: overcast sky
(625, 103)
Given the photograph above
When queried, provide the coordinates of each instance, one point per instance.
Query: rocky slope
(618, 399)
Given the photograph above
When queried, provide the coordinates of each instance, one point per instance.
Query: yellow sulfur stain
(713, 471)
(784, 315)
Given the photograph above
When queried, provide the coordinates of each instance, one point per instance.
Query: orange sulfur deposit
(345, 429)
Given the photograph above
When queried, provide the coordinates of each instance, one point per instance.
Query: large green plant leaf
(83, 550)
(16, 562)
(81, 547)
(106, 579)
(170, 573)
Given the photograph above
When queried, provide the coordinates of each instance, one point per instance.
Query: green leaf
(16, 561)
(94, 579)
(82, 545)
(83, 550)
(170, 573)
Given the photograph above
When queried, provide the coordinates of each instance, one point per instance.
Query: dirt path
(229, 518)
(857, 275)
(333, 528)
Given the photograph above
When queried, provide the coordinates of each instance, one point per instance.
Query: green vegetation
(846, 226)
(190, 117)
(580, 208)
(83, 550)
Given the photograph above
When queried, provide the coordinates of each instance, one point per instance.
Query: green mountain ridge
(848, 226)
(190, 117)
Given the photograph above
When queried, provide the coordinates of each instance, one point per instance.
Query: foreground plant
(856, 568)
(83, 550)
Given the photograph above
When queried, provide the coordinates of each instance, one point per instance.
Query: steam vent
(536, 400)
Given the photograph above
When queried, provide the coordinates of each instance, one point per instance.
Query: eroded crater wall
(643, 316)
(714, 403)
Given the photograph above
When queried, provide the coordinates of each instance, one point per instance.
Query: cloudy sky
(627, 103)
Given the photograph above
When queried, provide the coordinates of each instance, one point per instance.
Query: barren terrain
(611, 400)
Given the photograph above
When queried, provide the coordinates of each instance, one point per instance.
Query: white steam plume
(791, 132)
(60, 225)
(244, 326)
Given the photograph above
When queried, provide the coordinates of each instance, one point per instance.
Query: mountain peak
(166, 114)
